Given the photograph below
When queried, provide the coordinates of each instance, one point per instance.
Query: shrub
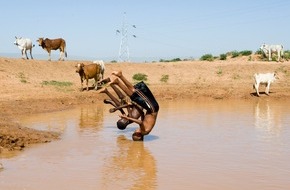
(57, 83)
(140, 77)
(170, 60)
(22, 77)
(207, 57)
(259, 52)
(235, 54)
(246, 52)
(223, 56)
(164, 78)
(287, 55)
(219, 72)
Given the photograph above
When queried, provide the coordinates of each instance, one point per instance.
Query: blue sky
(164, 29)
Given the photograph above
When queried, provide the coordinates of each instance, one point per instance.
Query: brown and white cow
(87, 72)
(53, 44)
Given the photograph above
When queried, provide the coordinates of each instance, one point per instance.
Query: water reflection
(131, 166)
(91, 117)
(267, 117)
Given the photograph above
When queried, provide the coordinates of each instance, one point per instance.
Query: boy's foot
(102, 90)
(117, 73)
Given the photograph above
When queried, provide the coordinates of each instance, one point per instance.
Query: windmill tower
(124, 47)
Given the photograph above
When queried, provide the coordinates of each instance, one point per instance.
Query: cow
(24, 44)
(102, 64)
(265, 79)
(53, 44)
(269, 49)
(88, 72)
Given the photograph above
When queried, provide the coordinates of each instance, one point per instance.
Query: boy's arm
(119, 107)
(131, 119)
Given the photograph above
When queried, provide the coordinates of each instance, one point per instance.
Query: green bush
(22, 77)
(219, 72)
(164, 78)
(259, 52)
(170, 60)
(246, 52)
(56, 83)
(223, 56)
(207, 57)
(235, 54)
(287, 54)
(140, 77)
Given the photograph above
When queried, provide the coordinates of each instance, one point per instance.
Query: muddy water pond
(215, 145)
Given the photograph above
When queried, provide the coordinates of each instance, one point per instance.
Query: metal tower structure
(124, 46)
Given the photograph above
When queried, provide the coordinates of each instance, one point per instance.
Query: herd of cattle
(96, 70)
(25, 44)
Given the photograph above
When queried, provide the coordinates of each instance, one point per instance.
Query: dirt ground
(26, 88)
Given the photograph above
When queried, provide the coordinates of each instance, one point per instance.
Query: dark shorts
(144, 98)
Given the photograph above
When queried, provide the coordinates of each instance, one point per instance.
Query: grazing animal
(53, 44)
(265, 79)
(24, 44)
(102, 64)
(269, 49)
(88, 72)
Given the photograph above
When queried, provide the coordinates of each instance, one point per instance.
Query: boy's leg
(117, 81)
(118, 92)
(125, 81)
(115, 100)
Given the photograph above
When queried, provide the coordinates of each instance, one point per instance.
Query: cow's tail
(65, 53)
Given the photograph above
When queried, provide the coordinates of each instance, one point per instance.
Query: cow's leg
(87, 83)
(26, 54)
(82, 81)
(270, 54)
(22, 53)
(31, 53)
(278, 53)
(60, 56)
(268, 88)
(97, 78)
(49, 52)
(257, 88)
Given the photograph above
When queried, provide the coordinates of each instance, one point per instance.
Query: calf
(266, 79)
(88, 72)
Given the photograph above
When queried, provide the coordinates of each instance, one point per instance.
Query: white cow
(269, 49)
(102, 64)
(265, 79)
(24, 44)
